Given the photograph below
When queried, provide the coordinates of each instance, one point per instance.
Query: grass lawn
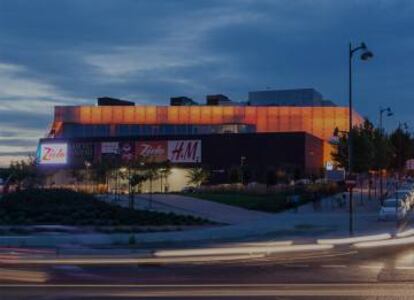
(269, 203)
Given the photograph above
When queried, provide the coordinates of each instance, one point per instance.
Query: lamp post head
(366, 55)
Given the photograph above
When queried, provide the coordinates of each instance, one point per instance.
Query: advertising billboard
(109, 148)
(53, 154)
(127, 150)
(184, 151)
(155, 151)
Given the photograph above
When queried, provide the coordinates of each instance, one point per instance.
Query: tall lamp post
(389, 114)
(365, 55)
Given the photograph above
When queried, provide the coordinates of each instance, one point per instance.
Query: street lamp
(389, 114)
(365, 55)
(382, 111)
(88, 175)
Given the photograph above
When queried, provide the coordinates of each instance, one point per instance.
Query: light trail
(405, 233)
(386, 243)
(123, 261)
(268, 243)
(241, 250)
(22, 275)
(352, 240)
(219, 290)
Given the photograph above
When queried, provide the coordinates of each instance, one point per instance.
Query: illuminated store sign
(152, 150)
(184, 151)
(51, 154)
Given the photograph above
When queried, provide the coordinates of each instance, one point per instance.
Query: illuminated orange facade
(318, 121)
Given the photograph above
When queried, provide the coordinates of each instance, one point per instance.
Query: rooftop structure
(291, 97)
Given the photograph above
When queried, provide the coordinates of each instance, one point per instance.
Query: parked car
(188, 189)
(303, 181)
(393, 209)
(405, 196)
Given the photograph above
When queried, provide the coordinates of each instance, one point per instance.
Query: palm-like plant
(197, 176)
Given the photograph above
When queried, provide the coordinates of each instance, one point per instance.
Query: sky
(71, 52)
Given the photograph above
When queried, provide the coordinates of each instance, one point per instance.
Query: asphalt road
(339, 273)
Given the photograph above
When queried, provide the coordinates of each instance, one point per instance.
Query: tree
(270, 177)
(235, 174)
(362, 150)
(164, 172)
(403, 146)
(103, 171)
(134, 181)
(197, 176)
(24, 173)
(383, 150)
(78, 175)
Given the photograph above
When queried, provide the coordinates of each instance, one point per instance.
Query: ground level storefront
(251, 156)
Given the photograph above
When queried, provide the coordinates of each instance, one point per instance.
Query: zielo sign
(51, 154)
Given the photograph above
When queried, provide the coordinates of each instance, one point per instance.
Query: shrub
(65, 207)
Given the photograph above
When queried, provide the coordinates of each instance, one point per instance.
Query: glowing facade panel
(319, 121)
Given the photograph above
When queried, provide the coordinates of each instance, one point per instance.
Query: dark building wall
(296, 152)
(313, 154)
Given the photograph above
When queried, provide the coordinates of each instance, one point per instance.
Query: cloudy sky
(70, 52)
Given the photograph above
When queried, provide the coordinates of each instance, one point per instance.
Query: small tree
(135, 180)
(78, 175)
(362, 150)
(104, 170)
(403, 146)
(24, 173)
(270, 177)
(235, 174)
(197, 176)
(164, 172)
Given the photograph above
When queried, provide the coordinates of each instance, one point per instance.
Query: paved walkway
(326, 218)
(214, 211)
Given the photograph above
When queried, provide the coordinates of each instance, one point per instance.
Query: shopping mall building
(286, 130)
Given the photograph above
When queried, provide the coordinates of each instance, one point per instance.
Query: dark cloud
(23, 120)
(19, 142)
(16, 153)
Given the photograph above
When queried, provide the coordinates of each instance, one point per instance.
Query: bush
(66, 207)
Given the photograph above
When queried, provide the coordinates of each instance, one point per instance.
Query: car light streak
(352, 240)
(23, 276)
(386, 243)
(241, 250)
(122, 261)
(405, 233)
(269, 243)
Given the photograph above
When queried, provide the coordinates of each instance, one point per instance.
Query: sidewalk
(311, 221)
(213, 211)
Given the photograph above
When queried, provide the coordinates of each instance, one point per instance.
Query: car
(303, 181)
(406, 186)
(188, 189)
(404, 195)
(393, 209)
(410, 194)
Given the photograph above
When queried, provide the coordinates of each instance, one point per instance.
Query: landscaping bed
(65, 207)
(274, 201)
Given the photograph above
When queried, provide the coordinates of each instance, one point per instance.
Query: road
(341, 272)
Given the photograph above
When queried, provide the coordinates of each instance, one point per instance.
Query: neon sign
(51, 154)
